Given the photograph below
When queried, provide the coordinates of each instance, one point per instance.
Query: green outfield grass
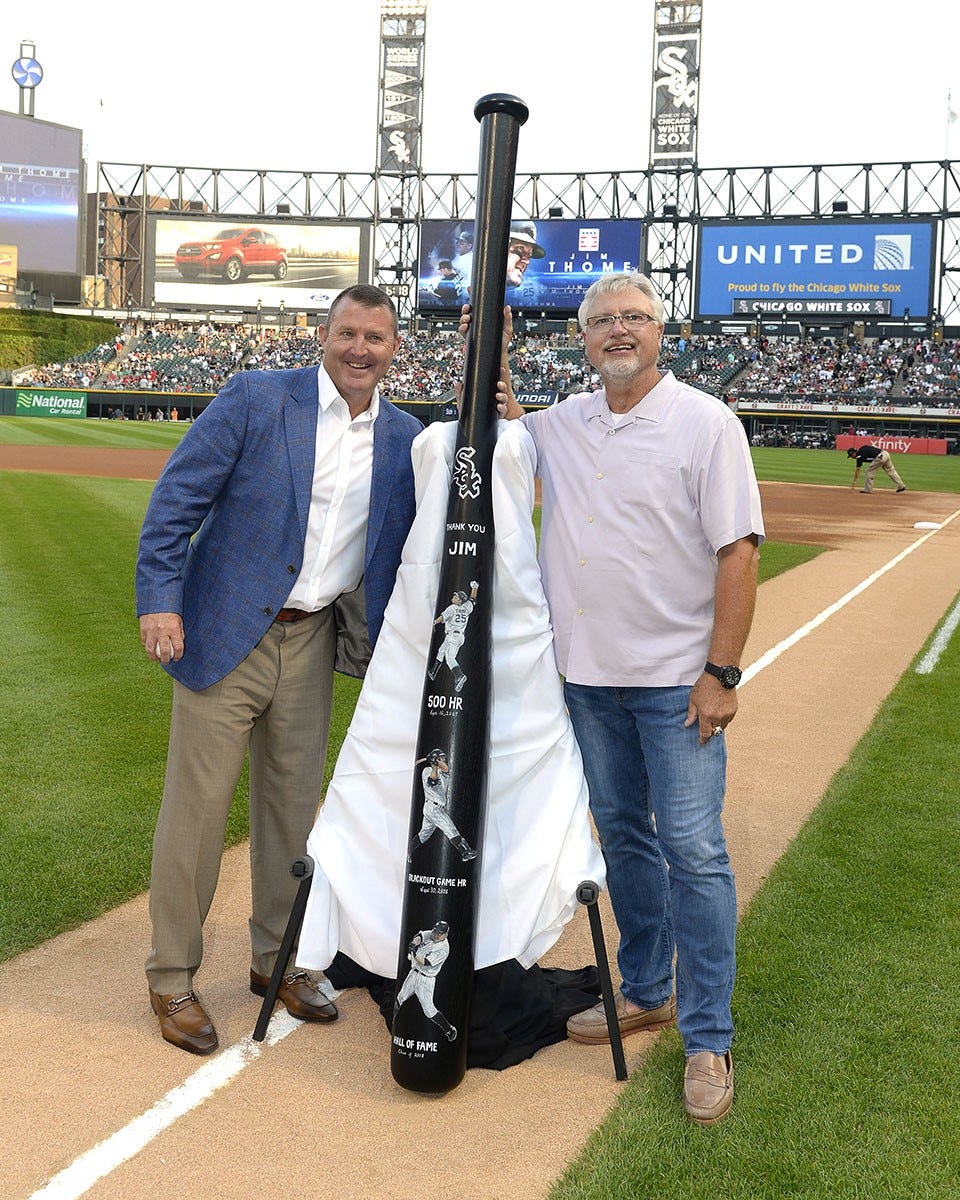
(67, 431)
(920, 472)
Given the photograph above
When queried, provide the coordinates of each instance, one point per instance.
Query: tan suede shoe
(708, 1087)
(590, 1027)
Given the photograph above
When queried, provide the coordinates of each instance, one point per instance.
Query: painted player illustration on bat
(427, 952)
(435, 778)
(454, 620)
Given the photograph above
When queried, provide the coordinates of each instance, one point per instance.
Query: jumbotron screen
(40, 186)
(549, 267)
(839, 268)
(217, 263)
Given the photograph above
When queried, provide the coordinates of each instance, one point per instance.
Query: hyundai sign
(861, 269)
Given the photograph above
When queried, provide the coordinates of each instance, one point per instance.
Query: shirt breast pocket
(653, 480)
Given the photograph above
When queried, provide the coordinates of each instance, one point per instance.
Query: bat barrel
(435, 965)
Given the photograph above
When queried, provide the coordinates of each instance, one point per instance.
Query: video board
(213, 263)
(843, 268)
(41, 180)
(549, 267)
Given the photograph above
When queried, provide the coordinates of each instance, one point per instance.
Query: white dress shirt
(333, 549)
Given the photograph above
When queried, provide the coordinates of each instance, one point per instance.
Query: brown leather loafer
(299, 994)
(590, 1027)
(708, 1087)
(184, 1021)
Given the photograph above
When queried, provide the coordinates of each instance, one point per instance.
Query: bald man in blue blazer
(285, 506)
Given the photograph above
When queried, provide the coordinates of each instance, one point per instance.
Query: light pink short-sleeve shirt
(633, 516)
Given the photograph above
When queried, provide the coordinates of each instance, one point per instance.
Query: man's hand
(507, 406)
(711, 705)
(162, 636)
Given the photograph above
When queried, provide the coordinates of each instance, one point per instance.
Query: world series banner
(401, 96)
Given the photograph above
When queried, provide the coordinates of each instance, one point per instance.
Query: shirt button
(583, 562)
(611, 432)
(292, 569)
(599, 474)
(579, 612)
(589, 520)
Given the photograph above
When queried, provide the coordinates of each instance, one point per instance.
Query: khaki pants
(276, 702)
(882, 462)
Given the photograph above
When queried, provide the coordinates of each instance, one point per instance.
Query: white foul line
(774, 652)
(106, 1156)
(939, 643)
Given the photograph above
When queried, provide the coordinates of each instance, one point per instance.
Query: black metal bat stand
(301, 869)
(588, 893)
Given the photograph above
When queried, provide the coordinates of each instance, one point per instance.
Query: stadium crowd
(180, 357)
(902, 371)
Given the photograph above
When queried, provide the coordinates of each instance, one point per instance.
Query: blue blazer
(242, 476)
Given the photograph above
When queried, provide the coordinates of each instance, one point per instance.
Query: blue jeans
(656, 796)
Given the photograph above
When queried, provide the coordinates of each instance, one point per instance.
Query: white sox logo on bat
(466, 477)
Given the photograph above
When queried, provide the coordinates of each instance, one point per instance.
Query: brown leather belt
(289, 615)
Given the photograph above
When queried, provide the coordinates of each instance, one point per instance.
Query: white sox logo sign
(466, 477)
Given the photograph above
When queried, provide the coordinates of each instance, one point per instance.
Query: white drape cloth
(538, 845)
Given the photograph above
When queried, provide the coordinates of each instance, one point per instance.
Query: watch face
(730, 676)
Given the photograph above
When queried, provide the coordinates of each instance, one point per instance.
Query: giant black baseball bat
(436, 959)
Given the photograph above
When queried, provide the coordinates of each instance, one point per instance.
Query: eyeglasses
(627, 320)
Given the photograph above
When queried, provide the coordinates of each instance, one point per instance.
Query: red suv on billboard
(233, 254)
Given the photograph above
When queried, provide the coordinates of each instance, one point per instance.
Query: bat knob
(499, 102)
(588, 892)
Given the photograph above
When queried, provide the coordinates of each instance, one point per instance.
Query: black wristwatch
(729, 676)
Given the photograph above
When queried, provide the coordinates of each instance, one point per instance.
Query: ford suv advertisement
(232, 255)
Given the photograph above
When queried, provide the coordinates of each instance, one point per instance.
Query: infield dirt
(80, 1051)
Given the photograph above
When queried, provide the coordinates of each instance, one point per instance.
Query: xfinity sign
(837, 267)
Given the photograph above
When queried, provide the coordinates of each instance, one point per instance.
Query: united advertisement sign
(860, 269)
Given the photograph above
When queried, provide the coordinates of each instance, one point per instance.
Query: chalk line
(771, 655)
(106, 1156)
(940, 641)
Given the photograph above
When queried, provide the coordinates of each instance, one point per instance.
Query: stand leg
(588, 893)
(301, 869)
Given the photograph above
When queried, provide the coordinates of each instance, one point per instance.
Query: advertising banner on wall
(207, 263)
(676, 84)
(33, 403)
(550, 264)
(835, 268)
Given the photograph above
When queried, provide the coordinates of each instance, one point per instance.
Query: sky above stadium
(295, 86)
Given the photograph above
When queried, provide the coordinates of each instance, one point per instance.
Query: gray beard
(621, 371)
